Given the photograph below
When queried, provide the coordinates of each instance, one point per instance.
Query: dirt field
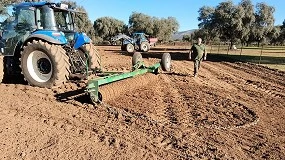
(231, 111)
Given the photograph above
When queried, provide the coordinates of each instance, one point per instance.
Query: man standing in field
(198, 52)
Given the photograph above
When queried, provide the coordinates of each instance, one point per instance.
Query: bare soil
(230, 111)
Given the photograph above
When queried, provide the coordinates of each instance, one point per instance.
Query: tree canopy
(107, 27)
(242, 22)
(162, 28)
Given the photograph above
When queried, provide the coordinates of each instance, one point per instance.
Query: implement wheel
(137, 57)
(166, 62)
(44, 64)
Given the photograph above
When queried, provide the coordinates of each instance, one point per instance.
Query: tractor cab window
(25, 18)
(8, 23)
(45, 18)
(136, 36)
(54, 19)
(63, 20)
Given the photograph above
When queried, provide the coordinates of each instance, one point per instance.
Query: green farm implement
(138, 68)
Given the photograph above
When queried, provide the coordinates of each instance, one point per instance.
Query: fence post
(241, 49)
(228, 49)
(260, 53)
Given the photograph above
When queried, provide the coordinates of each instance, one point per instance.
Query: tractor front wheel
(44, 64)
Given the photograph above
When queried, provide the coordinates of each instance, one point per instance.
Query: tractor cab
(44, 16)
(139, 37)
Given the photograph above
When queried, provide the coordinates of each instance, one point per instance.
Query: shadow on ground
(214, 57)
(78, 95)
(246, 58)
(182, 54)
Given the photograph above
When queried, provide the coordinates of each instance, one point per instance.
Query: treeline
(162, 28)
(243, 24)
(102, 29)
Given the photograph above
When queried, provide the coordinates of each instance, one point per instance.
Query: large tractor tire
(130, 48)
(166, 62)
(44, 64)
(94, 57)
(144, 47)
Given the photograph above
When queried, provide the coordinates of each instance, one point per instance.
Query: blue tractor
(41, 45)
(138, 42)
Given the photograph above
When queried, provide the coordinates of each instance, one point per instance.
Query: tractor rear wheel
(136, 58)
(44, 64)
(166, 62)
(130, 48)
(144, 46)
(94, 61)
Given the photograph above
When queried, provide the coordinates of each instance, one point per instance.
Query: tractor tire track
(265, 73)
(238, 80)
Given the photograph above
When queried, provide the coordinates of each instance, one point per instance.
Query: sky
(185, 11)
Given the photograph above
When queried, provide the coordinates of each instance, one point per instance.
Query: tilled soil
(230, 111)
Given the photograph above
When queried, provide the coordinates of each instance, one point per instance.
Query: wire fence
(271, 56)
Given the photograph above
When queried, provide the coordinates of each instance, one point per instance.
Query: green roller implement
(138, 68)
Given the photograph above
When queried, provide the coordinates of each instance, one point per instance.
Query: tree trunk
(260, 54)
(211, 47)
(229, 46)
(219, 47)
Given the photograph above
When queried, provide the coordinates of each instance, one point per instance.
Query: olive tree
(107, 27)
(237, 22)
(163, 28)
(264, 21)
(139, 22)
(248, 20)
(208, 27)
